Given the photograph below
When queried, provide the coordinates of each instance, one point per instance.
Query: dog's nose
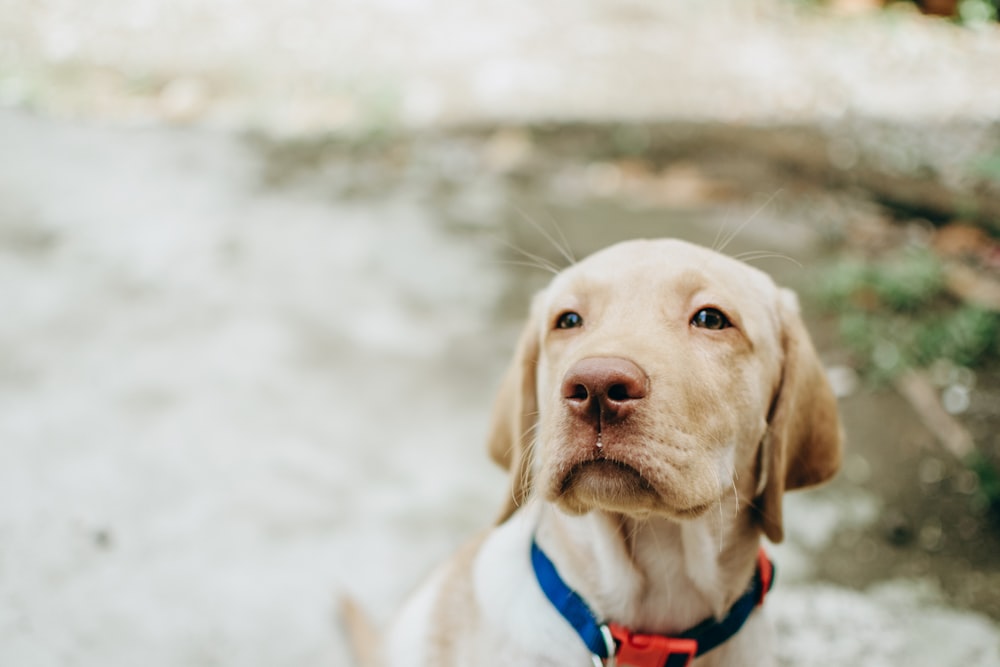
(605, 387)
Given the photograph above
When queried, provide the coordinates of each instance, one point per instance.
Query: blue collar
(608, 640)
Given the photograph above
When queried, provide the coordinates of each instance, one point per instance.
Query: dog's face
(657, 363)
(654, 376)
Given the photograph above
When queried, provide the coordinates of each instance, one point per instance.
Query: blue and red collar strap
(609, 640)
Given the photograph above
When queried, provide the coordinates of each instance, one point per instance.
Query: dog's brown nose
(604, 387)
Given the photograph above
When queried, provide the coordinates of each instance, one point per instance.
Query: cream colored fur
(662, 531)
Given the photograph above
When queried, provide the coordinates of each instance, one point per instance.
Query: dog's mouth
(617, 487)
(604, 470)
(609, 485)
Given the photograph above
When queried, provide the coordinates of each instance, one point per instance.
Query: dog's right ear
(803, 444)
(515, 413)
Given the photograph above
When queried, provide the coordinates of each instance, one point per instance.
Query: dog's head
(655, 376)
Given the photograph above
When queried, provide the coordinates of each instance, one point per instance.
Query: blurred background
(262, 264)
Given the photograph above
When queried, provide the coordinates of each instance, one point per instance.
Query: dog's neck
(653, 575)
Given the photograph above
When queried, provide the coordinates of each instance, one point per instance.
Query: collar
(610, 643)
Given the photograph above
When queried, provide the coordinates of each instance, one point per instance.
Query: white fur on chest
(519, 621)
(407, 640)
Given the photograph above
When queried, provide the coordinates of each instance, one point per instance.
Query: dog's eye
(710, 318)
(569, 320)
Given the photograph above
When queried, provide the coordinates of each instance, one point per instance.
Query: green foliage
(966, 336)
(988, 167)
(896, 314)
(989, 479)
(905, 284)
(977, 11)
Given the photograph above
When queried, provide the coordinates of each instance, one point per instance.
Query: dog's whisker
(569, 254)
(563, 250)
(722, 227)
(532, 265)
(763, 254)
(542, 262)
(736, 493)
(525, 471)
(746, 222)
(722, 517)
(722, 521)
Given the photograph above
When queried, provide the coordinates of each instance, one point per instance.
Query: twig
(918, 390)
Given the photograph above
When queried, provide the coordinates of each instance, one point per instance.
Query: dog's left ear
(802, 446)
(515, 413)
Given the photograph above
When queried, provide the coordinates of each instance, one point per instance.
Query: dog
(661, 400)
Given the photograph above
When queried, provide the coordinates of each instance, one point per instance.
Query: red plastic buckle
(639, 650)
(766, 570)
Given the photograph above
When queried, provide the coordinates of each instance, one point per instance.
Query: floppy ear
(515, 412)
(802, 446)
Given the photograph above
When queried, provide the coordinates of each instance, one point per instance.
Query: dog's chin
(607, 485)
(616, 487)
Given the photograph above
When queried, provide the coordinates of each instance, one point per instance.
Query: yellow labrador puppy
(661, 400)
